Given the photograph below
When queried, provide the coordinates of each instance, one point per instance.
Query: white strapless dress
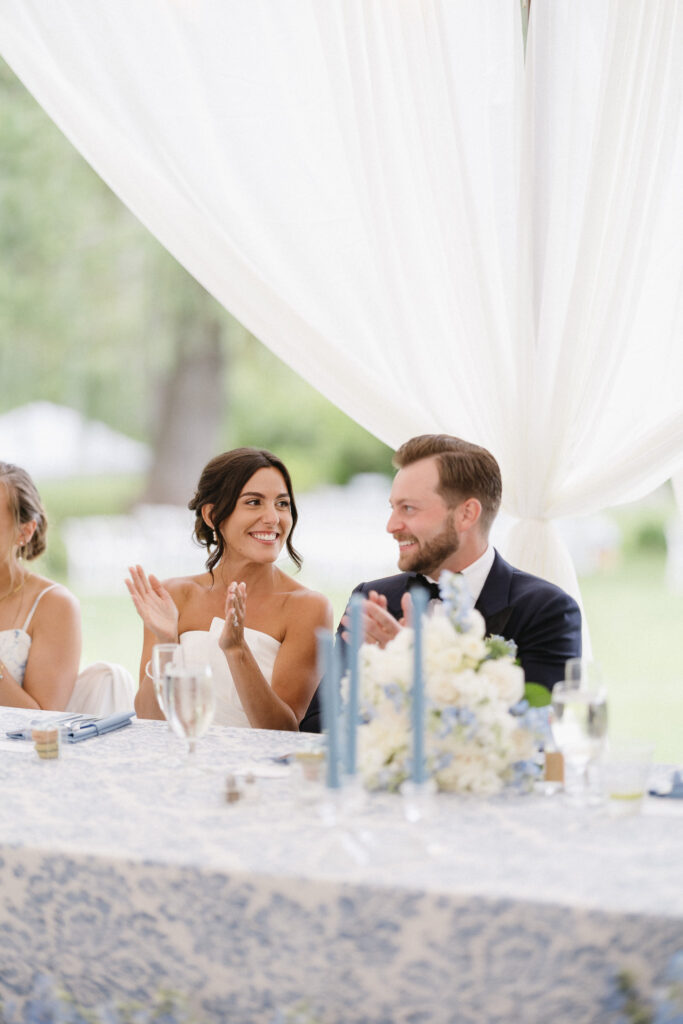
(202, 645)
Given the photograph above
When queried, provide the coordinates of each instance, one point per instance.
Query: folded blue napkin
(676, 791)
(62, 719)
(74, 728)
(85, 730)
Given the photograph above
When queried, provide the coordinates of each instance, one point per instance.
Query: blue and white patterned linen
(120, 875)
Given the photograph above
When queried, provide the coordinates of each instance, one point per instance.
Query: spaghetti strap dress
(15, 644)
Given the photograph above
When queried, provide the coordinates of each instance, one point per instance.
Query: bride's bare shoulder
(311, 604)
(184, 588)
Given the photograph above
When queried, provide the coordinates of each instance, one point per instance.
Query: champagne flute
(189, 700)
(163, 655)
(579, 723)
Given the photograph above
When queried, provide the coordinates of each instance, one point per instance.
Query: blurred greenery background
(95, 315)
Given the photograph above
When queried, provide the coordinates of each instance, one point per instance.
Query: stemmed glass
(163, 656)
(579, 723)
(189, 701)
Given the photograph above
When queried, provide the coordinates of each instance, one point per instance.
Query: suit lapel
(494, 599)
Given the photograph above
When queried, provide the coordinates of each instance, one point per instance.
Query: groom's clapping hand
(378, 624)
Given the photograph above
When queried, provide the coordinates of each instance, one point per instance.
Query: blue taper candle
(419, 597)
(329, 692)
(355, 640)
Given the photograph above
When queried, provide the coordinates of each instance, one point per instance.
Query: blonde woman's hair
(25, 506)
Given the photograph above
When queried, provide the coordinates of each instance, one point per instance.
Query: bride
(252, 622)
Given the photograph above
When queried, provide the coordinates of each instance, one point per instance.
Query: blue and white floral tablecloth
(120, 876)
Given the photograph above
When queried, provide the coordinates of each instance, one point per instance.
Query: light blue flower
(442, 761)
(523, 774)
(395, 695)
(536, 721)
(456, 599)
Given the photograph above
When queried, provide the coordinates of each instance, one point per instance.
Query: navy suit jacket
(542, 619)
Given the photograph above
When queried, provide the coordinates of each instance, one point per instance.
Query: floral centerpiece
(472, 741)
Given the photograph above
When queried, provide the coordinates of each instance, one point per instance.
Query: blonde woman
(40, 621)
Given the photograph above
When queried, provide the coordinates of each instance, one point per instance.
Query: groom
(444, 498)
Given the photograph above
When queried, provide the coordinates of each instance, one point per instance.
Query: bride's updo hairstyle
(221, 484)
(25, 505)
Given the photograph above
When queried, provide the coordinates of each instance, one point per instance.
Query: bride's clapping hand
(235, 610)
(154, 605)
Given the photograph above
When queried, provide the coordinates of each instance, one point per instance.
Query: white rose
(471, 688)
(438, 631)
(448, 659)
(442, 687)
(507, 678)
(401, 644)
(473, 648)
(379, 668)
(476, 624)
(489, 713)
(382, 739)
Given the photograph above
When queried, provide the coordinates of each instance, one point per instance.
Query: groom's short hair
(465, 471)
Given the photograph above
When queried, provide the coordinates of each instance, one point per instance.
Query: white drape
(436, 235)
(600, 353)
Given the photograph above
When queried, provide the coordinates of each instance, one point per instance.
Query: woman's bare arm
(283, 704)
(54, 656)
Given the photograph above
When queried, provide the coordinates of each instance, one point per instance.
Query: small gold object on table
(233, 790)
(311, 764)
(554, 766)
(239, 789)
(47, 743)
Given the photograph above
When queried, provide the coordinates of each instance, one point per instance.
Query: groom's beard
(431, 554)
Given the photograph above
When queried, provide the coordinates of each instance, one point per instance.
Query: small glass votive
(47, 743)
(626, 772)
(308, 776)
(419, 799)
(354, 794)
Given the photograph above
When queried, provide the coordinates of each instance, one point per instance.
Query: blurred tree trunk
(191, 398)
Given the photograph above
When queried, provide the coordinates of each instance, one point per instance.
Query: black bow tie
(421, 581)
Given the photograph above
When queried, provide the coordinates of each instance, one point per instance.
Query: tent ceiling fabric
(436, 234)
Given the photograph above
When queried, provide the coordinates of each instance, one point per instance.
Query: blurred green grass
(635, 627)
(87, 496)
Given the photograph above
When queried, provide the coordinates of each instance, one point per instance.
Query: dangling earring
(215, 537)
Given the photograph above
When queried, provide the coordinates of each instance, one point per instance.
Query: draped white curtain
(435, 234)
(600, 342)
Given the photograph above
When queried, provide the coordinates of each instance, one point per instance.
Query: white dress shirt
(476, 573)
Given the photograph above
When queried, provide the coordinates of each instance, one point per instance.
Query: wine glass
(163, 655)
(189, 701)
(579, 723)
